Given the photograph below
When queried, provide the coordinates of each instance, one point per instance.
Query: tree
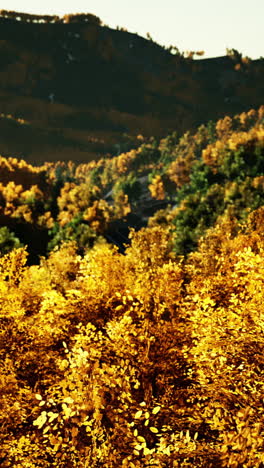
(8, 241)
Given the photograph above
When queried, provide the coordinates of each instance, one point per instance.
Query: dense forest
(131, 293)
(72, 88)
(183, 183)
(132, 270)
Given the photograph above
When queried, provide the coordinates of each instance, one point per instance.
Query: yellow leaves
(41, 420)
(179, 170)
(243, 138)
(56, 441)
(45, 417)
(122, 206)
(156, 409)
(34, 193)
(111, 330)
(244, 413)
(11, 271)
(54, 301)
(196, 298)
(138, 447)
(157, 189)
(63, 364)
(68, 400)
(124, 160)
(68, 412)
(224, 127)
(52, 416)
(12, 192)
(12, 265)
(230, 139)
(138, 414)
(142, 447)
(47, 428)
(208, 302)
(204, 302)
(234, 300)
(74, 294)
(153, 429)
(98, 215)
(46, 220)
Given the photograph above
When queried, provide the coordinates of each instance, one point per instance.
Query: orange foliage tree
(135, 360)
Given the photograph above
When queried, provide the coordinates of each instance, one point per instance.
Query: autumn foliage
(141, 359)
(148, 353)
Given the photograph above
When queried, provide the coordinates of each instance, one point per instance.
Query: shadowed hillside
(131, 251)
(86, 90)
(147, 353)
(186, 184)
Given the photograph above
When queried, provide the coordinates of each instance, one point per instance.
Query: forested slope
(183, 182)
(83, 90)
(146, 350)
(137, 360)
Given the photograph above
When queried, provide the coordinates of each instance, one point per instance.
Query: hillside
(131, 251)
(185, 183)
(148, 352)
(88, 90)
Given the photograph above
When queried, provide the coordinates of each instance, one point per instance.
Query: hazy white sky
(209, 25)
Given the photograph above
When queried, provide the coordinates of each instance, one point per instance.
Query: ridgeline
(73, 88)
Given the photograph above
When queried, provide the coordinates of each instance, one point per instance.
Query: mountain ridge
(78, 76)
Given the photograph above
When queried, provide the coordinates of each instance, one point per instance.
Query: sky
(209, 25)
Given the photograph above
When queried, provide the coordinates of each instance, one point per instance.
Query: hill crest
(99, 87)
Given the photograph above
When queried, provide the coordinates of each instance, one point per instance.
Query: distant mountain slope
(89, 85)
(187, 184)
